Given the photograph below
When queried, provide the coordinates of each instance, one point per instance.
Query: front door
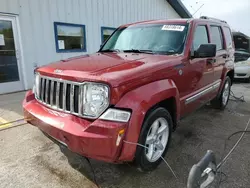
(10, 75)
(201, 74)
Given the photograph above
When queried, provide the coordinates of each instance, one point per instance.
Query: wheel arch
(141, 101)
(170, 105)
(230, 74)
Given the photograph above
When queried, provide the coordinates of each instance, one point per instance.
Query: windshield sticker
(173, 28)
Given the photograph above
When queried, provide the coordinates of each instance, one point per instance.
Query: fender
(223, 78)
(140, 100)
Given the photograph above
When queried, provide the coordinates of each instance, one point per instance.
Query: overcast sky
(235, 12)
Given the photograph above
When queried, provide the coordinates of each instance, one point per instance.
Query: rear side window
(200, 37)
(228, 37)
(216, 37)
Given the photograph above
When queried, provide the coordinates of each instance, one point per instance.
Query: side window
(200, 37)
(228, 36)
(216, 37)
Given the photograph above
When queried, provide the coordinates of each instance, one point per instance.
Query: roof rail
(210, 18)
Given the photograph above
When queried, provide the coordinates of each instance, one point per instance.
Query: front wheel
(155, 136)
(222, 100)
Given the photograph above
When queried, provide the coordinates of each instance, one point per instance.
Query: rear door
(222, 55)
(229, 47)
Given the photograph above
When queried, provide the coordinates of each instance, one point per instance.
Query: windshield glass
(165, 39)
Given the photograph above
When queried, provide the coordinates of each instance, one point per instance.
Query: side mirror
(205, 50)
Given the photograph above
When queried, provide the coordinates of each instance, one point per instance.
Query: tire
(221, 101)
(248, 80)
(163, 118)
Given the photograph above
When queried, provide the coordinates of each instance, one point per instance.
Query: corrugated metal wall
(37, 17)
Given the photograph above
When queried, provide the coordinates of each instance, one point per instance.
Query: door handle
(225, 56)
(211, 61)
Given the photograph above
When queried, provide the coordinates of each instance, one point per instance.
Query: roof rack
(210, 18)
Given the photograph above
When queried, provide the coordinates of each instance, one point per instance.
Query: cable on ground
(241, 98)
(93, 172)
(161, 156)
(223, 160)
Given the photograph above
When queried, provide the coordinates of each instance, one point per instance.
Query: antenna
(198, 9)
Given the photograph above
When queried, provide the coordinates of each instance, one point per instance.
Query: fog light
(116, 115)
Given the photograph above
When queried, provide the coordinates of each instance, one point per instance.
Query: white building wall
(37, 17)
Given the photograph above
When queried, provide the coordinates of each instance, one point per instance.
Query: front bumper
(242, 72)
(94, 139)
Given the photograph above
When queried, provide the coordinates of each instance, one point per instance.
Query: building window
(106, 32)
(70, 37)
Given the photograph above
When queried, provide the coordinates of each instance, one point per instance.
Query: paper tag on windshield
(173, 28)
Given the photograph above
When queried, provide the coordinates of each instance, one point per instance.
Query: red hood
(112, 68)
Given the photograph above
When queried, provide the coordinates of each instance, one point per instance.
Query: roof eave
(180, 8)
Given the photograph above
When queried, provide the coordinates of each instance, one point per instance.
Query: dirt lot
(29, 159)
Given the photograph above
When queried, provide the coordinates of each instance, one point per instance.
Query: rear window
(228, 37)
(216, 37)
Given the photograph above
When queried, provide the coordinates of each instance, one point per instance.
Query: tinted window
(200, 37)
(216, 37)
(228, 37)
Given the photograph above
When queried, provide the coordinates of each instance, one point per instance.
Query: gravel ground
(29, 159)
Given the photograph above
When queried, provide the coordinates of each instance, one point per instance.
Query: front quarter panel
(140, 101)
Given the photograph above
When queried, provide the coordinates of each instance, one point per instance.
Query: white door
(10, 69)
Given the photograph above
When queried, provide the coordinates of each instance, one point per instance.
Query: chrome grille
(60, 94)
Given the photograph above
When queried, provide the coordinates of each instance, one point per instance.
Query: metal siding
(37, 19)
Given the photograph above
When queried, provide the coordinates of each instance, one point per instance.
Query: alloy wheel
(226, 93)
(157, 139)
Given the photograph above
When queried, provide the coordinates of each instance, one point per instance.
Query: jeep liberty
(135, 89)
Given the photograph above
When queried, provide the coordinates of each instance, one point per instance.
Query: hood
(112, 68)
(242, 63)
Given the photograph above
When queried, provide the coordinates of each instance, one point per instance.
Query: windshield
(165, 39)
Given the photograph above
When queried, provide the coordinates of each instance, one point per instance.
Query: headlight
(95, 99)
(36, 84)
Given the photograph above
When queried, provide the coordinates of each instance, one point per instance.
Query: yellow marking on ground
(6, 124)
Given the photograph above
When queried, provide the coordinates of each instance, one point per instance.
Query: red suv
(134, 90)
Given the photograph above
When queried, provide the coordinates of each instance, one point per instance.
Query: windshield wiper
(139, 51)
(111, 50)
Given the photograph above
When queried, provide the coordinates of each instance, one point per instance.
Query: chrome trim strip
(64, 95)
(202, 93)
(57, 94)
(52, 92)
(46, 91)
(72, 96)
(217, 85)
(80, 100)
(42, 89)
